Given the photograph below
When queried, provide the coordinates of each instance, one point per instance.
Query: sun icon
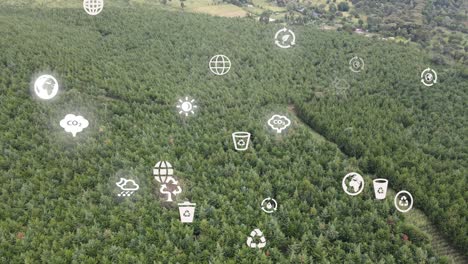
(187, 106)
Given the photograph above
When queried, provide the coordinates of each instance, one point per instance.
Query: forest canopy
(125, 70)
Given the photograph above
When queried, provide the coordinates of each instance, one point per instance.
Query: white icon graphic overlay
(186, 211)
(403, 201)
(285, 38)
(128, 187)
(429, 77)
(74, 124)
(220, 64)
(341, 86)
(241, 140)
(93, 7)
(356, 64)
(258, 236)
(279, 123)
(353, 183)
(46, 87)
(164, 174)
(187, 106)
(380, 188)
(269, 205)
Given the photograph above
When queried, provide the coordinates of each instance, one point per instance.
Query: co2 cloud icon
(279, 123)
(74, 124)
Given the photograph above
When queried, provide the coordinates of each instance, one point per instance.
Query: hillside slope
(125, 69)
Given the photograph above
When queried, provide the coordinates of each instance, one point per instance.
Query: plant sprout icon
(128, 187)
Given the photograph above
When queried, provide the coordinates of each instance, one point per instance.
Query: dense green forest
(125, 69)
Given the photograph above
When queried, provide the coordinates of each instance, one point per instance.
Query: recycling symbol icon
(256, 233)
(404, 201)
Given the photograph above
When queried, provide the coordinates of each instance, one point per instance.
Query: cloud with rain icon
(128, 187)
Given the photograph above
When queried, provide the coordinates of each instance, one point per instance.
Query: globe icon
(162, 170)
(220, 64)
(93, 7)
(46, 87)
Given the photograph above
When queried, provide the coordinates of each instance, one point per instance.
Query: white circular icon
(403, 201)
(353, 183)
(187, 106)
(429, 77)
(356, 64)
(269, 205)
(46, 87)
(285, 38)
(220, 64)
(93, 7)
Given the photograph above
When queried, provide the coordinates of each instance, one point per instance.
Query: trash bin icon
(380, 188)
(186, 211)
(241, 140)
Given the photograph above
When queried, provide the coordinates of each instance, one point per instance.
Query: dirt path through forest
(415, 217)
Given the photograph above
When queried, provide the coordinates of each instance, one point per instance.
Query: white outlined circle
(403, 200)
(429, 77)
(93, 7)
(46, 87)
(269, 205)
(356, 64)
(285, 38)
(356, 183)
(220, 64)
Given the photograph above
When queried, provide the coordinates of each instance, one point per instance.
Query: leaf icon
(285, 38)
